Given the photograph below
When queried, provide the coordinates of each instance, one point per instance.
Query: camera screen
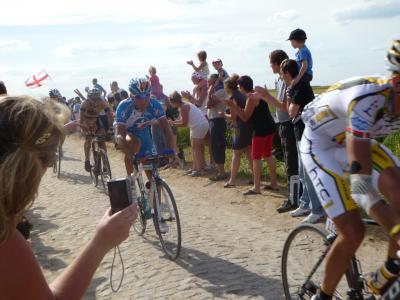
(118, 192)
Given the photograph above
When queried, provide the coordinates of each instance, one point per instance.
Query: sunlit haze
(75, 41)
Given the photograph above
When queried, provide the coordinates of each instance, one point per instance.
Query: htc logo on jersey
(319, 185)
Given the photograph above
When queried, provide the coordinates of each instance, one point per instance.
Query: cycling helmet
(140, 87)
(94, 93)
(54, 93)
(393, 56)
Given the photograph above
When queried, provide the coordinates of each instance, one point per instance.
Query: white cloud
(285, 16)
(13, 45)
(95, 48)
(171, 42)
(369, 10)
(189, 1)
(49, 12)
(176, 26)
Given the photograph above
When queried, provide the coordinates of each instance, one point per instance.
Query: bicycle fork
(355, 280)
(158, 193)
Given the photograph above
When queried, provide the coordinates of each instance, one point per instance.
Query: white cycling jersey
(361, 107)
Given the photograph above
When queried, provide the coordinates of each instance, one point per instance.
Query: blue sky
(76, 40)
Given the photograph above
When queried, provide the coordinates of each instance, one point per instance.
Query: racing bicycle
(99, 163)
(156, 201)
(302, 266)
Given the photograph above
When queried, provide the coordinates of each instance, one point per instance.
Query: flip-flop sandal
(270, 188)
(229, 185)
(250, 192)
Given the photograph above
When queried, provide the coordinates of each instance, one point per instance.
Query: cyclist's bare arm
(359, 154)
(120, 137)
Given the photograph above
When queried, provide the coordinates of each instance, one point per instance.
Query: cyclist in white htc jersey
(341, 125)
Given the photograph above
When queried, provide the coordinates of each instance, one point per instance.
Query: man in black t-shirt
(299, 96)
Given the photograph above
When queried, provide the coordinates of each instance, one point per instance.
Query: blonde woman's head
(30, 131)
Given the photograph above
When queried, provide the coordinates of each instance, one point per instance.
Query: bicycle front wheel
(94, 166)
(166, 220)
(303, 253)
(140, 223)
(105, 170)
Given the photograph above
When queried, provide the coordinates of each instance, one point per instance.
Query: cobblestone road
(231, 245)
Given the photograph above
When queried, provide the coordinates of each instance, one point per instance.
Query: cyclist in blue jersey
(134, 117)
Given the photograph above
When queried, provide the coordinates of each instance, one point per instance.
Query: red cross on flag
(37, 80)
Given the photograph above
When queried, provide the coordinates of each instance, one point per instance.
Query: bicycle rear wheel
(105, 169)
(166, 220)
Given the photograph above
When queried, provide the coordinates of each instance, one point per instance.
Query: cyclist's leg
(86, 149)
(128, 164)
(147, 148)
(87, 145)
(386, 177)
(100, 130)
(326, 174)
(350, 230)
(133, 144)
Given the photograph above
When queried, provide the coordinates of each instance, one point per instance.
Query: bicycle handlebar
(153, 157)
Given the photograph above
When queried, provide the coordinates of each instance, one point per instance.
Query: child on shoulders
(222, 74)
(156, 87)
(202, 69)
(303, 56)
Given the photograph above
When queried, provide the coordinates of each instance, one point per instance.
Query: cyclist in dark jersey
(90, 112)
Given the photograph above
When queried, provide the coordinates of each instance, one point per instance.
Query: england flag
(37, 80)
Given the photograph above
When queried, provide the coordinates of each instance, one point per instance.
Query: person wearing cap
(303, 56)
(222, 74)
